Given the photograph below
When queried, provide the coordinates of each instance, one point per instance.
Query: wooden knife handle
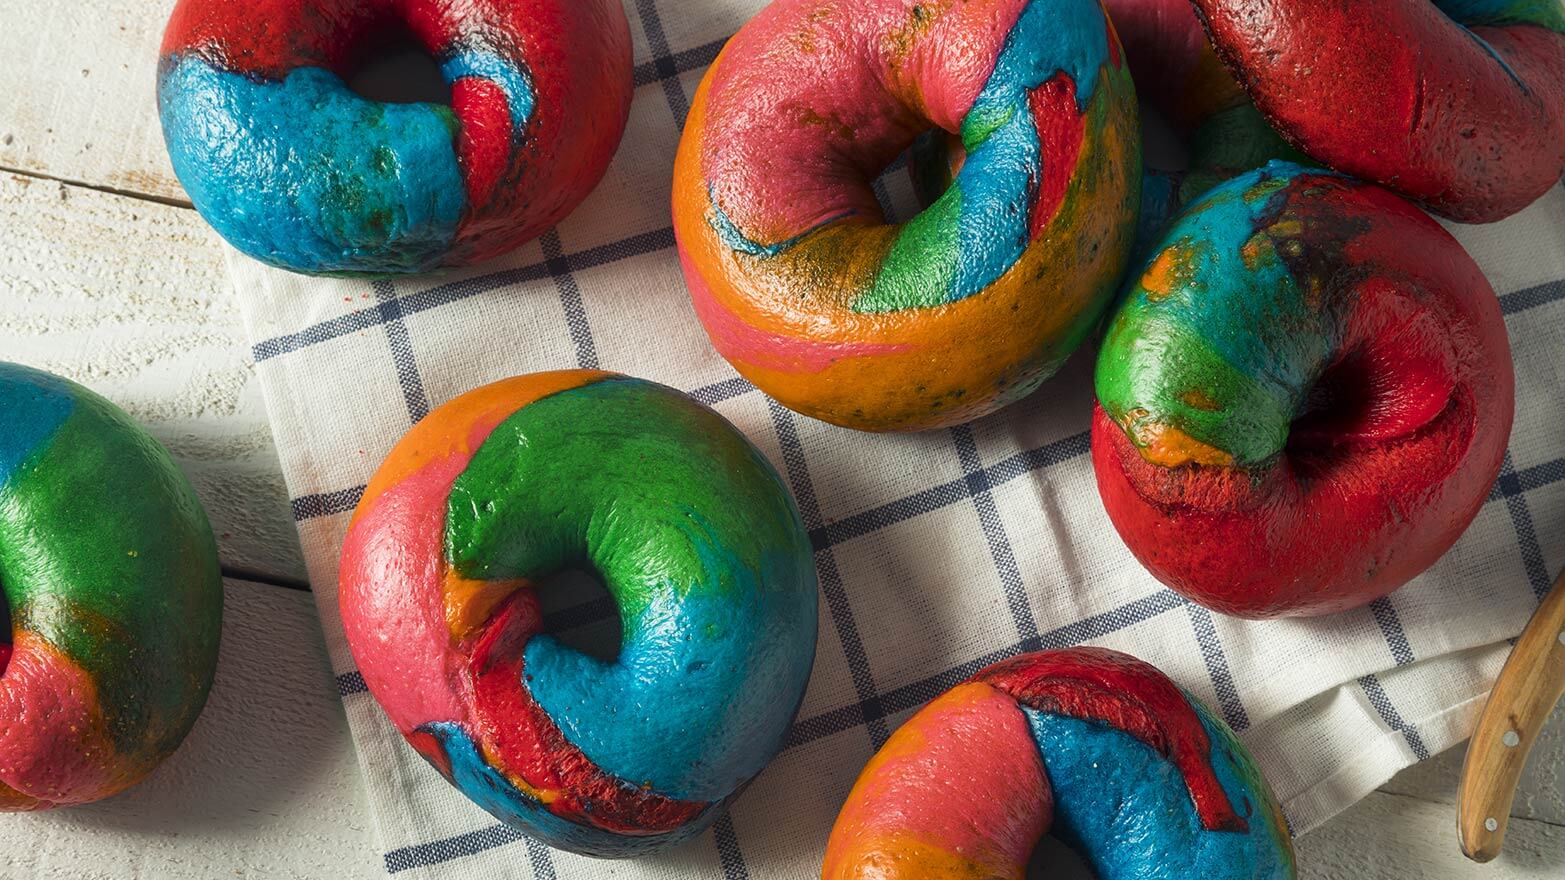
(1527, 690)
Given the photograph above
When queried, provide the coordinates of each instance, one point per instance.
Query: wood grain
(1401, 838)
(1528, 689)
(79, 99)
(266, 785)
(1540, 796)
(131, 298)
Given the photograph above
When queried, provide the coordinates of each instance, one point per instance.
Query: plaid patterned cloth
(937, 553)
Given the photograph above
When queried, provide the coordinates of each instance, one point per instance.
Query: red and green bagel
(114, 595)
(1456, 104)
(1304, 398)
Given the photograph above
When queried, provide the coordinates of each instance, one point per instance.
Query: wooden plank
(131, 298)
(79, 100)
(1540, 796)
(266, 785)
(1391, 836)
(1528, 690)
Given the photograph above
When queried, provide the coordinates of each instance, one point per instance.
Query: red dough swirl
(1459, 104)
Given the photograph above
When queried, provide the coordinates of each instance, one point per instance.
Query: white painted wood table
(107, 276)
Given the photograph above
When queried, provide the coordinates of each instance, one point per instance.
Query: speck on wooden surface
(79, 100)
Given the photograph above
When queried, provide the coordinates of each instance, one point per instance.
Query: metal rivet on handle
(1511, 739)
(1490, 825)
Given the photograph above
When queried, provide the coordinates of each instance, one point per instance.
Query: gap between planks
(102, 188)
(239, 573)
(1452, 804)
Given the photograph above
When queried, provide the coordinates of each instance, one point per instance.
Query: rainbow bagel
(296, 170)
(1304, 399)
(1458, 104)
(692, 532)
(798, 279)
(1090, 745)
(114, 596)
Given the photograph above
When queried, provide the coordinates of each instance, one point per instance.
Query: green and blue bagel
(693, 534)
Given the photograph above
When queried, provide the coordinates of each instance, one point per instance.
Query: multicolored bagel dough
(296, 170)
(114, 596)
(1457, 104)
(1304, 398)
(692, 532)
(1090, 745)
(801, 283)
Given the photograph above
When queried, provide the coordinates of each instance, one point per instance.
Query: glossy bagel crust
(800, 282)
(296, 170)
(1303, 400)
(693, 534)
(1458, 104)
(111, 579)
(1090, 745)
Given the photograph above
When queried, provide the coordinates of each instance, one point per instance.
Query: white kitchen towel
(938, 553)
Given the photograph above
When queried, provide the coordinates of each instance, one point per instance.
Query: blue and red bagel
(297, 170)
(1093, 746)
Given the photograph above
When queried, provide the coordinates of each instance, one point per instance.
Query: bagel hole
(580, 613)
(1051, 859)
(1339, 403)
(396, 69)
(899, 189)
